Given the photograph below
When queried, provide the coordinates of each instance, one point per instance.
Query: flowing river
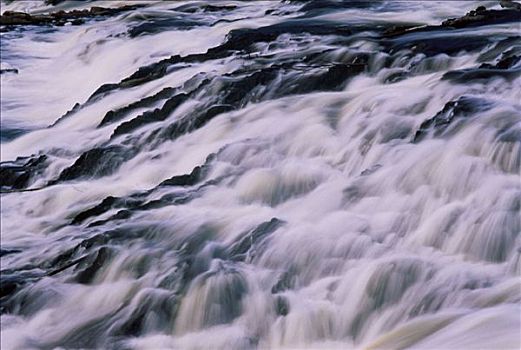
(284, 174)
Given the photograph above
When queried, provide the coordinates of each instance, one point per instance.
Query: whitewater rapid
(264, 174)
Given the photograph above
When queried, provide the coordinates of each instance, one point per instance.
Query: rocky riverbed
(260, 174)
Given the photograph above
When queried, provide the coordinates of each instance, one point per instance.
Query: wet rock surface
(60, 18)
(507, 67)
(17, 175)
(351, 164)
(444, 121)
(96, 162)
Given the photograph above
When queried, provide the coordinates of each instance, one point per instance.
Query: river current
(262, 175)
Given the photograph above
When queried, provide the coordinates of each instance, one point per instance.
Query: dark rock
(8, 133)
(70, 112)
(142, 75)
(218, 8)
(53, 2)
(236, 91)
(482, 16)
(332, 79)
(504, 63)
(14, 281)
(4, 252)
(286, 281)
(74, 255)
(395, 77)
(281, 306)
(66, 266)
(137, 201)
(77, 22)
(503, 48)
(504, 68)
(9, 70)
(439, 125)
(185, 180)
(13, 18)
(7, 288)
(91, 265)
(149, 73)
(401, 30)
(212, 112)
(18, 174)
(188, 124)
(103, 90)
(113, 116)
(370, 170)
(99, 209)
(318, 7)
(107, 204)
(96, 162)
(159, 114)
(237, 40)
(193, 8)
(120, 215)
(444, 42)
(240, 39)
(168, 199)
(153, 26)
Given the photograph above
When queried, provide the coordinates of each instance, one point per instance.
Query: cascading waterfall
(261, 175)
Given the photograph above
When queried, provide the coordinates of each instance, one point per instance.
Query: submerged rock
(242, 248)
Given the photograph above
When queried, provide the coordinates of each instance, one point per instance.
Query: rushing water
(261, 174)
